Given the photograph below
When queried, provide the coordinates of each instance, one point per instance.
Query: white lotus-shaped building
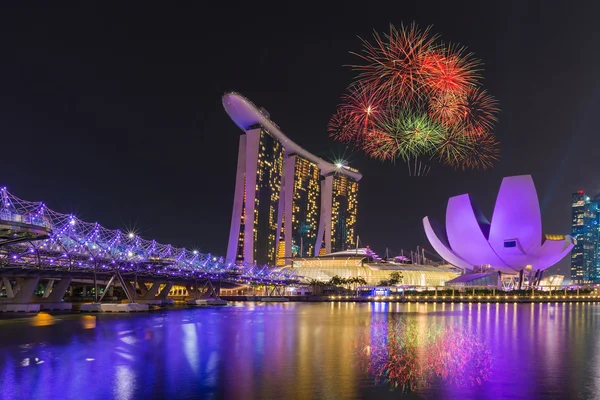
(511, 243)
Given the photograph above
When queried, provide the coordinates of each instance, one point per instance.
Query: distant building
(552, 281)
(288, 202)
(585, 229)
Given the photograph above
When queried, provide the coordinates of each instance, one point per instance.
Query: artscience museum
(510, 250)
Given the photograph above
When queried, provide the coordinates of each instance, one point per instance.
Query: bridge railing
(25, 218)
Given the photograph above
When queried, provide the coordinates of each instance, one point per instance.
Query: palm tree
(316, 286)
(358, 281)
(337, 281)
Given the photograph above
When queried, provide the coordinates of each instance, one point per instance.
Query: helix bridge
(36, 240)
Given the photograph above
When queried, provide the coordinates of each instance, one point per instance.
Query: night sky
(114, 113)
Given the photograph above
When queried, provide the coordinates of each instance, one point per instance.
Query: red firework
(394, 62)
(343, 127)
(450, 69)
(364, 104)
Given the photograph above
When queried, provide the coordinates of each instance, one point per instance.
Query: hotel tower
(288, 202)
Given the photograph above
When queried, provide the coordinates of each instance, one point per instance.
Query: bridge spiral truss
(34, 236)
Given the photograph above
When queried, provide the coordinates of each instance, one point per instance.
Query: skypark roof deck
(246, 114)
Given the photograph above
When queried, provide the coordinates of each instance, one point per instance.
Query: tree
(395, 278)
(316, 286)
(358, 281)
(336, 281)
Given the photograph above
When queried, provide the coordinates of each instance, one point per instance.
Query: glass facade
(268, 188)
(585, 230)
(323, 269)
(239, 254)
(343, 213)
(266, 202)
(305, 207)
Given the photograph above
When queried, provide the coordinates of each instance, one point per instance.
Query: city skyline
(129, 131)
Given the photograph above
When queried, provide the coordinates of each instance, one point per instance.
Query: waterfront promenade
(497, 297)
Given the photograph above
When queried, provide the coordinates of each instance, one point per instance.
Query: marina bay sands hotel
(288, 202)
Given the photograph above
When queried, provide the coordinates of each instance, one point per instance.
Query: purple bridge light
(32, 236)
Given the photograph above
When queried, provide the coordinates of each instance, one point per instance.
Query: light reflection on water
(295, 351)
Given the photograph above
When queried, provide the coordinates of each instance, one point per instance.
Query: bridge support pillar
(129, 290)
(48, 288)
(143, 289)
(53, 295)
(24, 289)
(19, 296)
(165, 292)
(192, 291)
(9, 289)
(149, 295)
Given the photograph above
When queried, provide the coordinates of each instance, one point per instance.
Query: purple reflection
(301, 350)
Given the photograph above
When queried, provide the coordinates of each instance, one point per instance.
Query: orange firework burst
(381, 146)
(445, 107)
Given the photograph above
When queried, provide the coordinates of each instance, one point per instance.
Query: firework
(344, 127)
(394, 62)
(450, 69)
(417, 99)
(380, 145)
(415, 134)
(445, 107)
(483, 152)
(364, 104)
(478, 110)
(461, 151)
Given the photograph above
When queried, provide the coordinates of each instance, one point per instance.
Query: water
(306, 351)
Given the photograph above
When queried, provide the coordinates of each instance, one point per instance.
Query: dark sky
(113, 112)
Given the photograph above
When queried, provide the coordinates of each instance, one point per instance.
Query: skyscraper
(585, 230)
(288, 202)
